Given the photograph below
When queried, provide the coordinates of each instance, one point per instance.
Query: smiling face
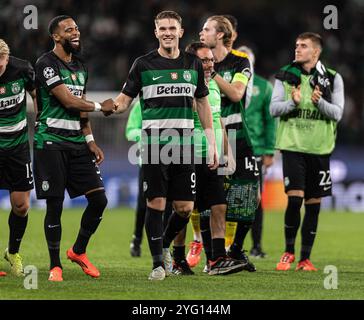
(68, 35)
(168, 31)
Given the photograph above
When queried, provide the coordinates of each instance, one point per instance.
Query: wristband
(213, 74)
(97, 106)
(89, 138)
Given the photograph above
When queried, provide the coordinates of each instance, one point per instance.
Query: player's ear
(156, 33)
(56, 37)
(181, 32)
(220, 35)
(318, 51)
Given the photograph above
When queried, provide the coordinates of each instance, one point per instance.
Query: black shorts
(246, 166)
(307, 172)
(57, 170)
(16, 169)
(209, 188)
(171, 181)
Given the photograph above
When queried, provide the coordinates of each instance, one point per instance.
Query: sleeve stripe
(53, 80)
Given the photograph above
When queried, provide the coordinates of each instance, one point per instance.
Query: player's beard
(68, 48)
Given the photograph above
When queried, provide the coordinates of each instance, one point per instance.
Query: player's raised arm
(234, 90)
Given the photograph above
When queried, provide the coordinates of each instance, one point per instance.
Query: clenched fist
(108, 107)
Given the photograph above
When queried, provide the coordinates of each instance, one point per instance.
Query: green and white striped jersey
(166, 88)
(16, 80)
(58, 128)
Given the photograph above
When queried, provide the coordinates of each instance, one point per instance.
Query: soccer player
(232, 74)
(65, 153)
(133, 133)
(168, 81)
(16, 77)
(261, 127)
(308, 98)
(210, 194)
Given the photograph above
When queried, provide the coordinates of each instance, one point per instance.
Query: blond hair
(4, 48)
(223, 25)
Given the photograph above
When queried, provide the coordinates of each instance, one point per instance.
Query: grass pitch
(338, 243)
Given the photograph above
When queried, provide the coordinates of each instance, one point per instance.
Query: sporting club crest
(187, 76)
(15, 88)
(227, 76)
(45, 185)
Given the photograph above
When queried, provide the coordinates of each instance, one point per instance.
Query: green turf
(339, 243)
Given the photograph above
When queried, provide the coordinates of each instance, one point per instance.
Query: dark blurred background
(114, 33)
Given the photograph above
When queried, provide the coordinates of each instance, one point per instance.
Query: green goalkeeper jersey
(134, 125)
(200, 140)
(261, 125)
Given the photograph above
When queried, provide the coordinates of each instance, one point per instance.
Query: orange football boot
(55, 274)
(305, 265)
(193, 256)
(83, 262)
(2, 274)
(285, 263)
